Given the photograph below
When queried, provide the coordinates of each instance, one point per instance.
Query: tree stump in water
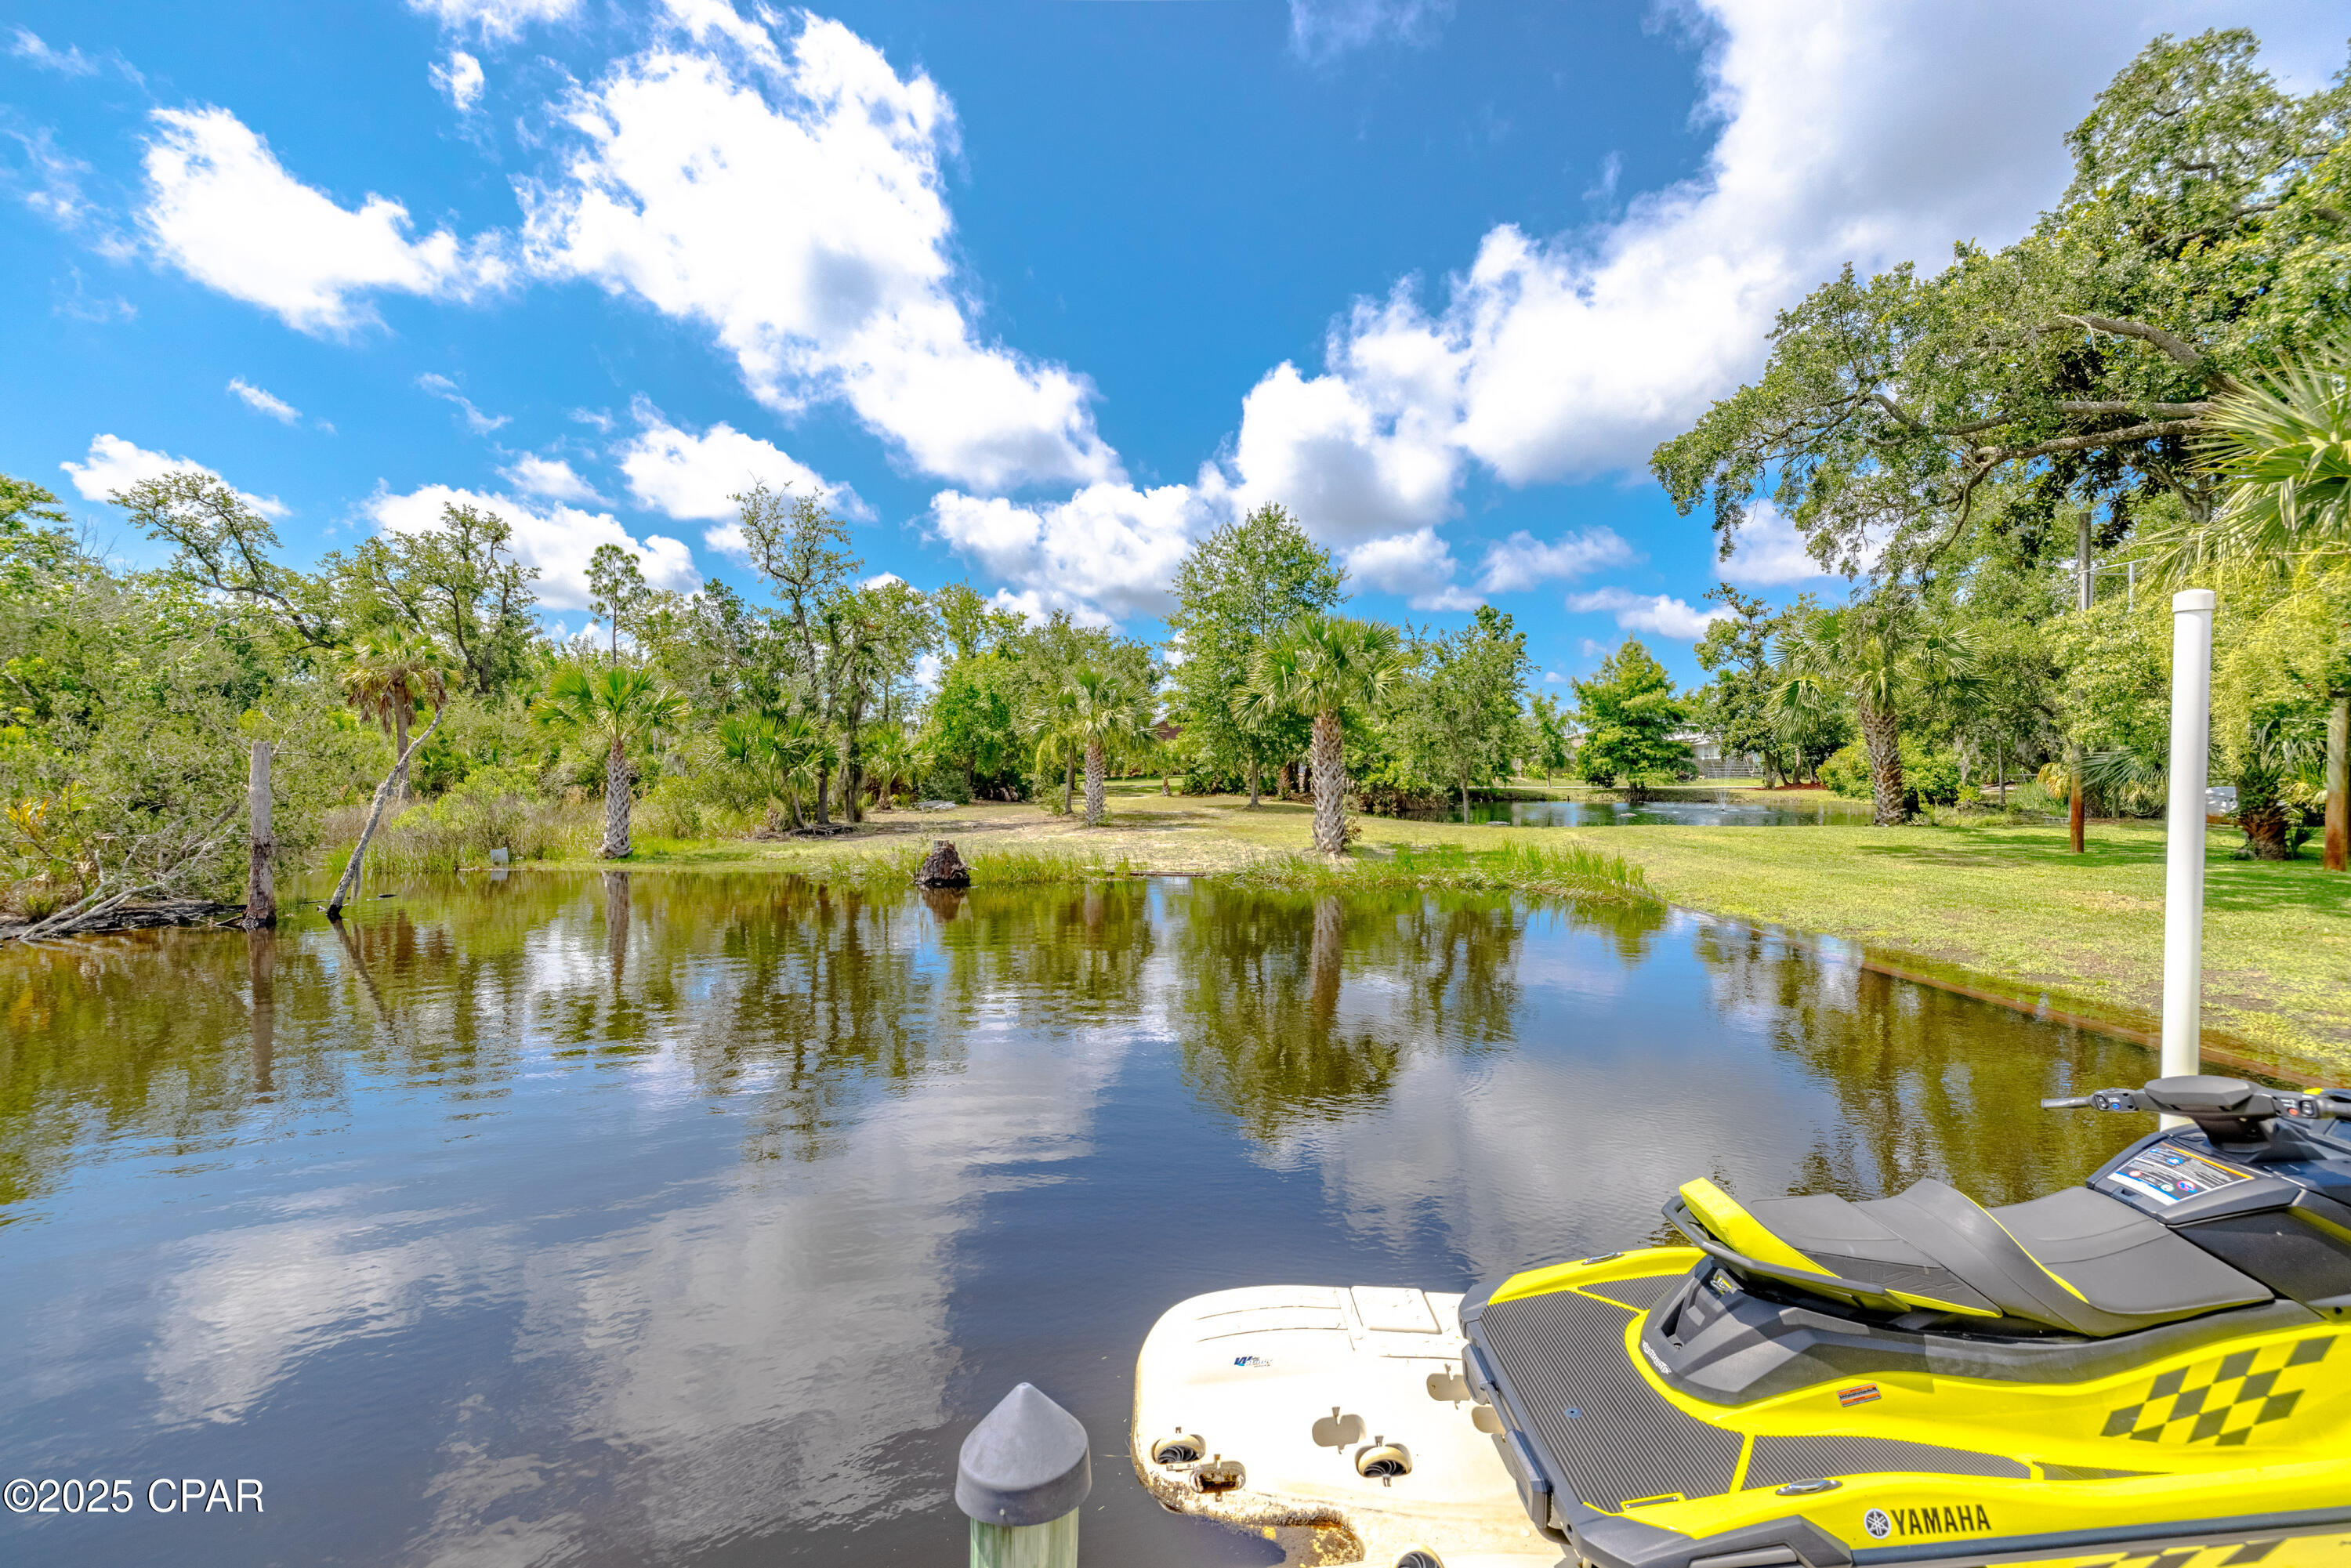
(943, 867)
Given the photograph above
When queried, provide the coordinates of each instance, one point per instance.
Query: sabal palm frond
(1323, 664)
(389, 676)
(2281, 444)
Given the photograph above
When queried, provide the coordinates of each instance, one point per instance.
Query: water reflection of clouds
(748, 1362)
(256, 1301)
(742, 1347)
(1568, 1141)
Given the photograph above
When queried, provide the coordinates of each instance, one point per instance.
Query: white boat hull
(1303, 1385)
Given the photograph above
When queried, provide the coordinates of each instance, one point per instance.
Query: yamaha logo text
(1935, 1518)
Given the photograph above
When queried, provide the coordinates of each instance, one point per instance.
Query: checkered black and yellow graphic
(2222, 1401)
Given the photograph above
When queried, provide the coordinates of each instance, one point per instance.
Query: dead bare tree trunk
(400, 745)
(384, 792)
(261, 845)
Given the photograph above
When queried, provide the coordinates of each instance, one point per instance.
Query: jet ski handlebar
(2228, 1106)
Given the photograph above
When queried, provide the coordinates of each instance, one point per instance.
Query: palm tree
(889, 755)
(1053, 715)
(2282, 445)
(1879, 654)
(776, 753)
(614, 707)
(1258, 728)
(1328, 667)
(386, 678)
(1105, 712)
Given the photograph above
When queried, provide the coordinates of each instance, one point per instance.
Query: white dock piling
(2183, 875)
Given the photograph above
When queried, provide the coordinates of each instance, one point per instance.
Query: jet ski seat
(2076, 1261)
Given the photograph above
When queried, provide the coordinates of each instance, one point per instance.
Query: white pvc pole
(2183, 849)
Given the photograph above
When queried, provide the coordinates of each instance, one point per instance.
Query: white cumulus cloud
(459, 78)
(222, 209)
(1107, 549)
(1522, 560)
(551, 478)
(114, 463)
(1418, 565)
(558, 539)
(263, 401)
(1364, 449)
(1770, 551)
(1658, 612)
(694, 477)
(792, 202)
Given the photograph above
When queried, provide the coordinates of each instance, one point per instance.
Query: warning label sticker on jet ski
(2170, 1174)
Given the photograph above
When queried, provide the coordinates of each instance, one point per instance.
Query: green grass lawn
(2030, 922)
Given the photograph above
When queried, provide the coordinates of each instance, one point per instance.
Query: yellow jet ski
(2151, 1368)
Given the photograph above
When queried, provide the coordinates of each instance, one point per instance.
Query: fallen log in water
(127, 918)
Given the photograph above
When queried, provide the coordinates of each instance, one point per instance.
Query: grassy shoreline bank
(2000, 912)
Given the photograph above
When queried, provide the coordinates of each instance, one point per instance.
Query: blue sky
(1038, 293)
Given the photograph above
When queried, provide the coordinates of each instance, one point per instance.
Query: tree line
(2019, 456)
(2012, 459)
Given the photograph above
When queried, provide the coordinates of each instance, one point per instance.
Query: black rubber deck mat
(1610, 1435)
(1779, 1459)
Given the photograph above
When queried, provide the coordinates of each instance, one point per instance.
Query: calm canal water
(1686, 808)
(695, 1219)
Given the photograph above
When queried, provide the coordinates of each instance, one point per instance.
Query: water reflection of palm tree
(1326, 961)
(1052, 953)
(1262, 1004)
(616, 925)
(817, 994)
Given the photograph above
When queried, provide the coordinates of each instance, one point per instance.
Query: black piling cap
(1025, 1464)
